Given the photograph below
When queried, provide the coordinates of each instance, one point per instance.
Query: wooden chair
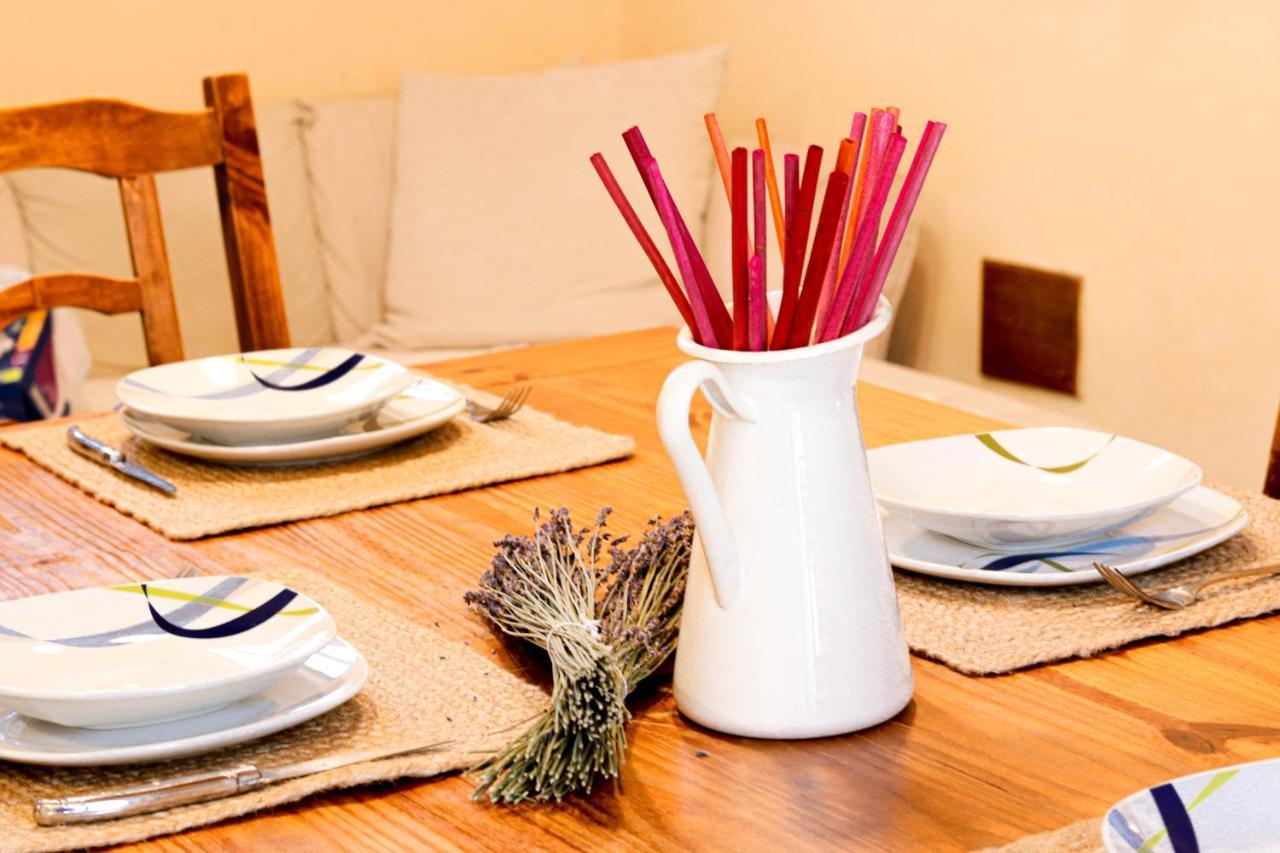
(1271, 488)
(132, 143)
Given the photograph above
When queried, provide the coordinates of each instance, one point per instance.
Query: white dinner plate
(265, 397)
(327, 679)
(149, 652)
(1232, 808)
(1028, 488)
(424, 406)
(1191, 524)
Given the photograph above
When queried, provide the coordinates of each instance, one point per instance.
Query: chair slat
(151, 265)
(111, 138)
(246, 221)
(99, 293)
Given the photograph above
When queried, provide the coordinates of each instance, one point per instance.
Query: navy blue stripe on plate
(239, 625)
(331, 375)
(1182, 835)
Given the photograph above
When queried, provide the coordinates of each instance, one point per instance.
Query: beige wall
(156, 51)
(1133, 143)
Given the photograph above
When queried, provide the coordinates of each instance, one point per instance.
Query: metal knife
(105, 454)
(197, 787)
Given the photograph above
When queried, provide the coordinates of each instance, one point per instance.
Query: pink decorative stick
(758, 297)
(757, 301)
(863, 245)
(671, 221)
(856, 132)
(646, 242)
(897, 227)
(882, 123)
(705, 285)
(790, 187)
(739, 251)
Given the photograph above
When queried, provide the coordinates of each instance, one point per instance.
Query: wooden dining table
(970, 762)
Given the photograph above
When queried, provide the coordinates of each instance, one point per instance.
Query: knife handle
(87, 445)
(150, 797)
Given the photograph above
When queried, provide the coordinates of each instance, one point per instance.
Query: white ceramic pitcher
(790, 625)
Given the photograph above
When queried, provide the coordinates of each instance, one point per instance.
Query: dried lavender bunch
(605, 629)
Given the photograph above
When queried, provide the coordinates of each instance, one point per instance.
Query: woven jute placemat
(987, 630)
(1083, 836)
(216, 499)
(422, 689)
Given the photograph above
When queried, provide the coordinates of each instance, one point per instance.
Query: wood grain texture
(132, 143)
(96, 292)
(246, 220)
(111, 138)
(160, 328)
(971, 762)
(1271, 486)
(1030, 325)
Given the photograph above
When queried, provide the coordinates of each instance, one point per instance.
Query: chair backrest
(132, 143)
(1271, 487)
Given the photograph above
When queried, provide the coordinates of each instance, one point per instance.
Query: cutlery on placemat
(194, 788)
(1178, 597)
(513, 402)
(105, 454)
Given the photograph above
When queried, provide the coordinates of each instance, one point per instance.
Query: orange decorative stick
(846, 162)
(771, 180)
(722, 154)
(858, 201)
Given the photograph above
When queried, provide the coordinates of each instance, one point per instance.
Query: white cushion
(350, 147)
(717, 247)
(13, 237)
(501, 231)
(74, 223)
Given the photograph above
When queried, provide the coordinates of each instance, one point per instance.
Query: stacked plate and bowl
(149, 671)
(282, 406)
(1037, 507)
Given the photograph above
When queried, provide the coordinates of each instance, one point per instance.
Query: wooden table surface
(970, 762)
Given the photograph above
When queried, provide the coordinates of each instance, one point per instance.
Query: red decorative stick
(739, 249)
(646, 242)
(790, 186)
(758, 294)
(902, 210)
(705, 285)
(863, 245)
(757, 300)
(797, 243)
(671, 221)
(801, 329)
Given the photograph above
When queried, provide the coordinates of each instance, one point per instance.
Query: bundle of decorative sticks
(830, 284)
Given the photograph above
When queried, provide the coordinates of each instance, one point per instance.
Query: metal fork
(1178, 597)
(512, 403)
(187, 571)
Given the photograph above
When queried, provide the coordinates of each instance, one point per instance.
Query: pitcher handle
(673, 427)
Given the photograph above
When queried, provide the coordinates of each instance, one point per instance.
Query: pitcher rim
(877, 324)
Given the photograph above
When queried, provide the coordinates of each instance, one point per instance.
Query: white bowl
(116, 656)
(1028, 488)
(224, 398)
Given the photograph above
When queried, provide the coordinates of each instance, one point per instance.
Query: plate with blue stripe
(1230, 808)
(1193, 523)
